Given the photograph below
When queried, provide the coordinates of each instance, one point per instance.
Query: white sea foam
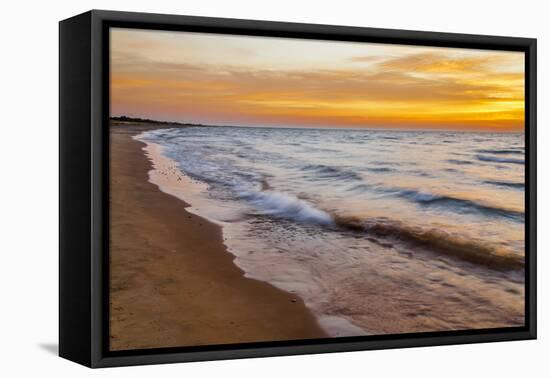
(286, 206)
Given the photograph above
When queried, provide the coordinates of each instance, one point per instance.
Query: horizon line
(314, 127)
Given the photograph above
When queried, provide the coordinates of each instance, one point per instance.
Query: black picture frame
(84, 191)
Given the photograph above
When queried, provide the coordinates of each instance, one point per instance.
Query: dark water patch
(501, 151)
(360, 188)
(321, 149)
(420, 173)
(506, 184)
(330, 172)
(380, 169)
(380, 242)
(459, 162)
(499, 159)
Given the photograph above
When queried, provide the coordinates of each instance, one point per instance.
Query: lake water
(378, 231)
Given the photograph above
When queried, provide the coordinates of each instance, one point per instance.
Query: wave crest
(429, 199)
(437, 241)
(285, 206)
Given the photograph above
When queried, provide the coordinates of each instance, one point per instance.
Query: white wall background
(28, 199)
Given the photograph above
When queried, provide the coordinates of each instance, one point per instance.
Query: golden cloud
(429, 89)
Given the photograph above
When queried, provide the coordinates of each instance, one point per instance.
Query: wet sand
(172, 281)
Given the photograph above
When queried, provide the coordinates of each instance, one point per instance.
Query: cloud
(439, 62)
(427, 88)
(366, 58)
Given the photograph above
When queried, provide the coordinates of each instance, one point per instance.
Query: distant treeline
(150, 121)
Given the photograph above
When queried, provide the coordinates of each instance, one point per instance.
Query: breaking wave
(285, 206)
(438, 241)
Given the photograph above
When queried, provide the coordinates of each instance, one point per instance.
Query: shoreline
(173, 281)
(169, 179)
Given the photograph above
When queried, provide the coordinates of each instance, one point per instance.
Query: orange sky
(257, 81)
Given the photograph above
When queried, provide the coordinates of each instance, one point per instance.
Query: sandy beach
(172, 281)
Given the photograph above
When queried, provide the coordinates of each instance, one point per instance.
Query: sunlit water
(378, 231)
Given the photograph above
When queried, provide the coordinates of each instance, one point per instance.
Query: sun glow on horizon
(246, 81)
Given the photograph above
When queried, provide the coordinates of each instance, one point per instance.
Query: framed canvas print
(234, 188)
